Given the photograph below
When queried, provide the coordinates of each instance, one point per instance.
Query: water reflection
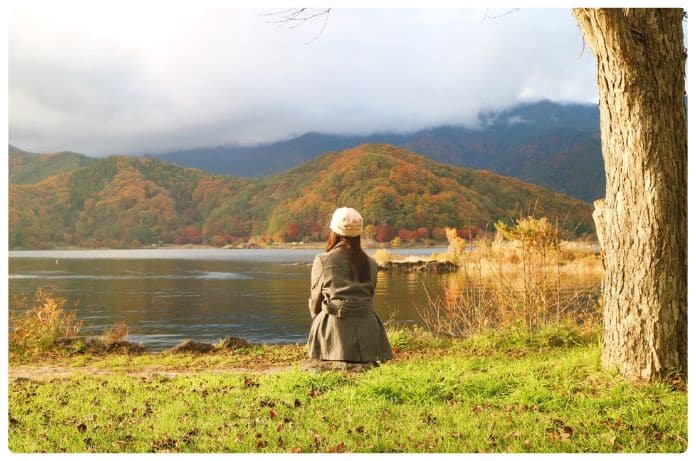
(164, 297)
(167, 295)
(469, 304)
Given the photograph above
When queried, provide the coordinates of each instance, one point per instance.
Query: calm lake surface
(166, 295)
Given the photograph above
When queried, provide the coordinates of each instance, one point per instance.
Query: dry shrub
(42, 323)
(521, 278)
(115, 333)
(382, 256)
(464, 308)
(457, 245)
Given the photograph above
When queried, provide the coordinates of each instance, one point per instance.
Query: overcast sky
(126, 81)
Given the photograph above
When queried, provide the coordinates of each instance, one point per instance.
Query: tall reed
(525, 277)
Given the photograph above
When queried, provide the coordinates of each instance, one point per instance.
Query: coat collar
(340, 244)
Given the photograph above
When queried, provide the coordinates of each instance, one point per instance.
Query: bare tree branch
(326, 19)
(295, 17)
(506, 13)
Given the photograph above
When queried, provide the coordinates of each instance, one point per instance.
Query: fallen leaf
(317, 437)
(190, 434)
(261, 444)
(567, 432)
(165, 444)
(340, 448)
(273, 414)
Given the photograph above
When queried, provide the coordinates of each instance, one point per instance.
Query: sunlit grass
(501, 392)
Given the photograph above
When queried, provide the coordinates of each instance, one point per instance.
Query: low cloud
(117, 81)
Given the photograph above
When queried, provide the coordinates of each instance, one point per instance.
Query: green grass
(499, 393)
(256, 357)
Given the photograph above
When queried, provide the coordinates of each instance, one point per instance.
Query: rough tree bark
(642, 220)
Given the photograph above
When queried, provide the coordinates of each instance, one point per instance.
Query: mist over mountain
(551, 144)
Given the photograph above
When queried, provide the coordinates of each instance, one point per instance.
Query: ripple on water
(193, 275)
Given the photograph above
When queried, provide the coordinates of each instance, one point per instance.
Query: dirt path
(47, 372)
(43, 373)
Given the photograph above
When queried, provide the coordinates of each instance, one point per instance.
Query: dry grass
(575, 263)
(382, 256)
(42, 323)
(525, 277)
(116, 333)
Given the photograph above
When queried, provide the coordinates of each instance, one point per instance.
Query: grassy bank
(495, 392)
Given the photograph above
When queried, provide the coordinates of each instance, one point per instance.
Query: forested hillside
(131, 202)
(545, 143)
(28, 168)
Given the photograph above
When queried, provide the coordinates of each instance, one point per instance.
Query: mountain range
(122, 201)
(545, 143)
(26, 167)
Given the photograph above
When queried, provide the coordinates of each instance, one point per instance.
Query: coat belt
(343, 310)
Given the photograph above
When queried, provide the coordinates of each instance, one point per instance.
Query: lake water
(165, 295)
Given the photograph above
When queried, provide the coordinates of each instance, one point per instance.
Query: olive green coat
(344, 324)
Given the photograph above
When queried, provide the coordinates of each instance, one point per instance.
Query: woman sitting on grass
(345, 327)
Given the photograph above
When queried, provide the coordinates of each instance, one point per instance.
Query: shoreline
(307, 246)
(368, 245)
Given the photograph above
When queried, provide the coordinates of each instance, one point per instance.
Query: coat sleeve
(316, 282)
(373, 274)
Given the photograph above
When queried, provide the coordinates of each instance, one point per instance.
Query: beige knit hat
(346, 222)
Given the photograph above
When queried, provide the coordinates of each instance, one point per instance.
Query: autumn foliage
(132, 202)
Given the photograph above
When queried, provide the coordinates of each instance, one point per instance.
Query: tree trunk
(642, 220)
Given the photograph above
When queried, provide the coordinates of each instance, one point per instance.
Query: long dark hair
(359, 265)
